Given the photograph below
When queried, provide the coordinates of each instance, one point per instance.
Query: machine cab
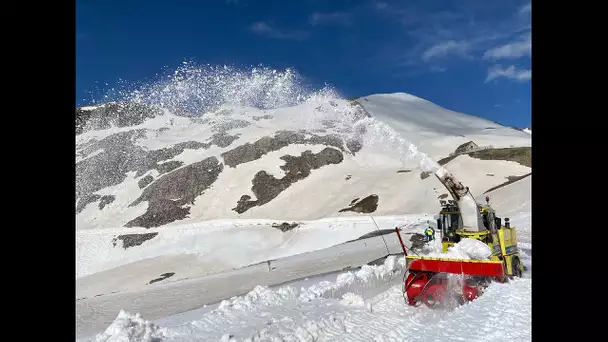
(449, 223)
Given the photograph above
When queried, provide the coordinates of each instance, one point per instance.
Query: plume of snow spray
(194, 90)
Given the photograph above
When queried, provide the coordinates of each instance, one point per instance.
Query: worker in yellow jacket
(429, 232)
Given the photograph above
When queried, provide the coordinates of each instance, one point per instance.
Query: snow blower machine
(439, 282)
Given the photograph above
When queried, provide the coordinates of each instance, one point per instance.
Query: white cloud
(526, 8)
(263, 29)
(339, 18)
(521, 75)
(515, 49)
(445, 48)
(438, 69)
(380, 5)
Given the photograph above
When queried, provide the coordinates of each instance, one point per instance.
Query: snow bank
(465, 249)
(127, 327)
(358, 282)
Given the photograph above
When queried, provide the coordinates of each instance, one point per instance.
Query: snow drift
(465, 249)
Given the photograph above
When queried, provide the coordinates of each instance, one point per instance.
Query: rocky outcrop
(367, 205)
(105, 200)
(144, 182)
(521, 155)
(162, 277)
(169, 195)
(132, 240)
(119, 155)
(266, 187)
(253, 151)
(285, 226)
(119, 114)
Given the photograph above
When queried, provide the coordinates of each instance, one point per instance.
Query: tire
(516, 267)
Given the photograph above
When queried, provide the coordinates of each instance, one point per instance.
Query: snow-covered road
(363, 305)
(155, 301)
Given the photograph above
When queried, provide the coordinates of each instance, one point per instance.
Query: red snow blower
(437, 282)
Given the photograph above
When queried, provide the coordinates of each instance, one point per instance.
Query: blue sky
(472, 56)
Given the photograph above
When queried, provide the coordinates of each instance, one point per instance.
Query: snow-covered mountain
(142, 170)
(140, 166)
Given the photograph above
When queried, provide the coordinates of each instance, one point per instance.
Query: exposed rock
(168, 194)
(403, 171)
(360, 111)
(510, 179)
(132, 240)
(244, 203)
(375, 233)
(367, 205)
(168, 166)
(442, 196)
(160, 212)
(446, 160)
(285, 226)
(121, 114)
(227, 125)
(121, 155)
(162, 277)
(224, 112)
(354, 146)
(266, 187)
(521, 155)
(264, 117)
(250, 152)
(145, 181)
(348, 177)
(105, 200)
(222, 139)
(424, 174)
(86, 200)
